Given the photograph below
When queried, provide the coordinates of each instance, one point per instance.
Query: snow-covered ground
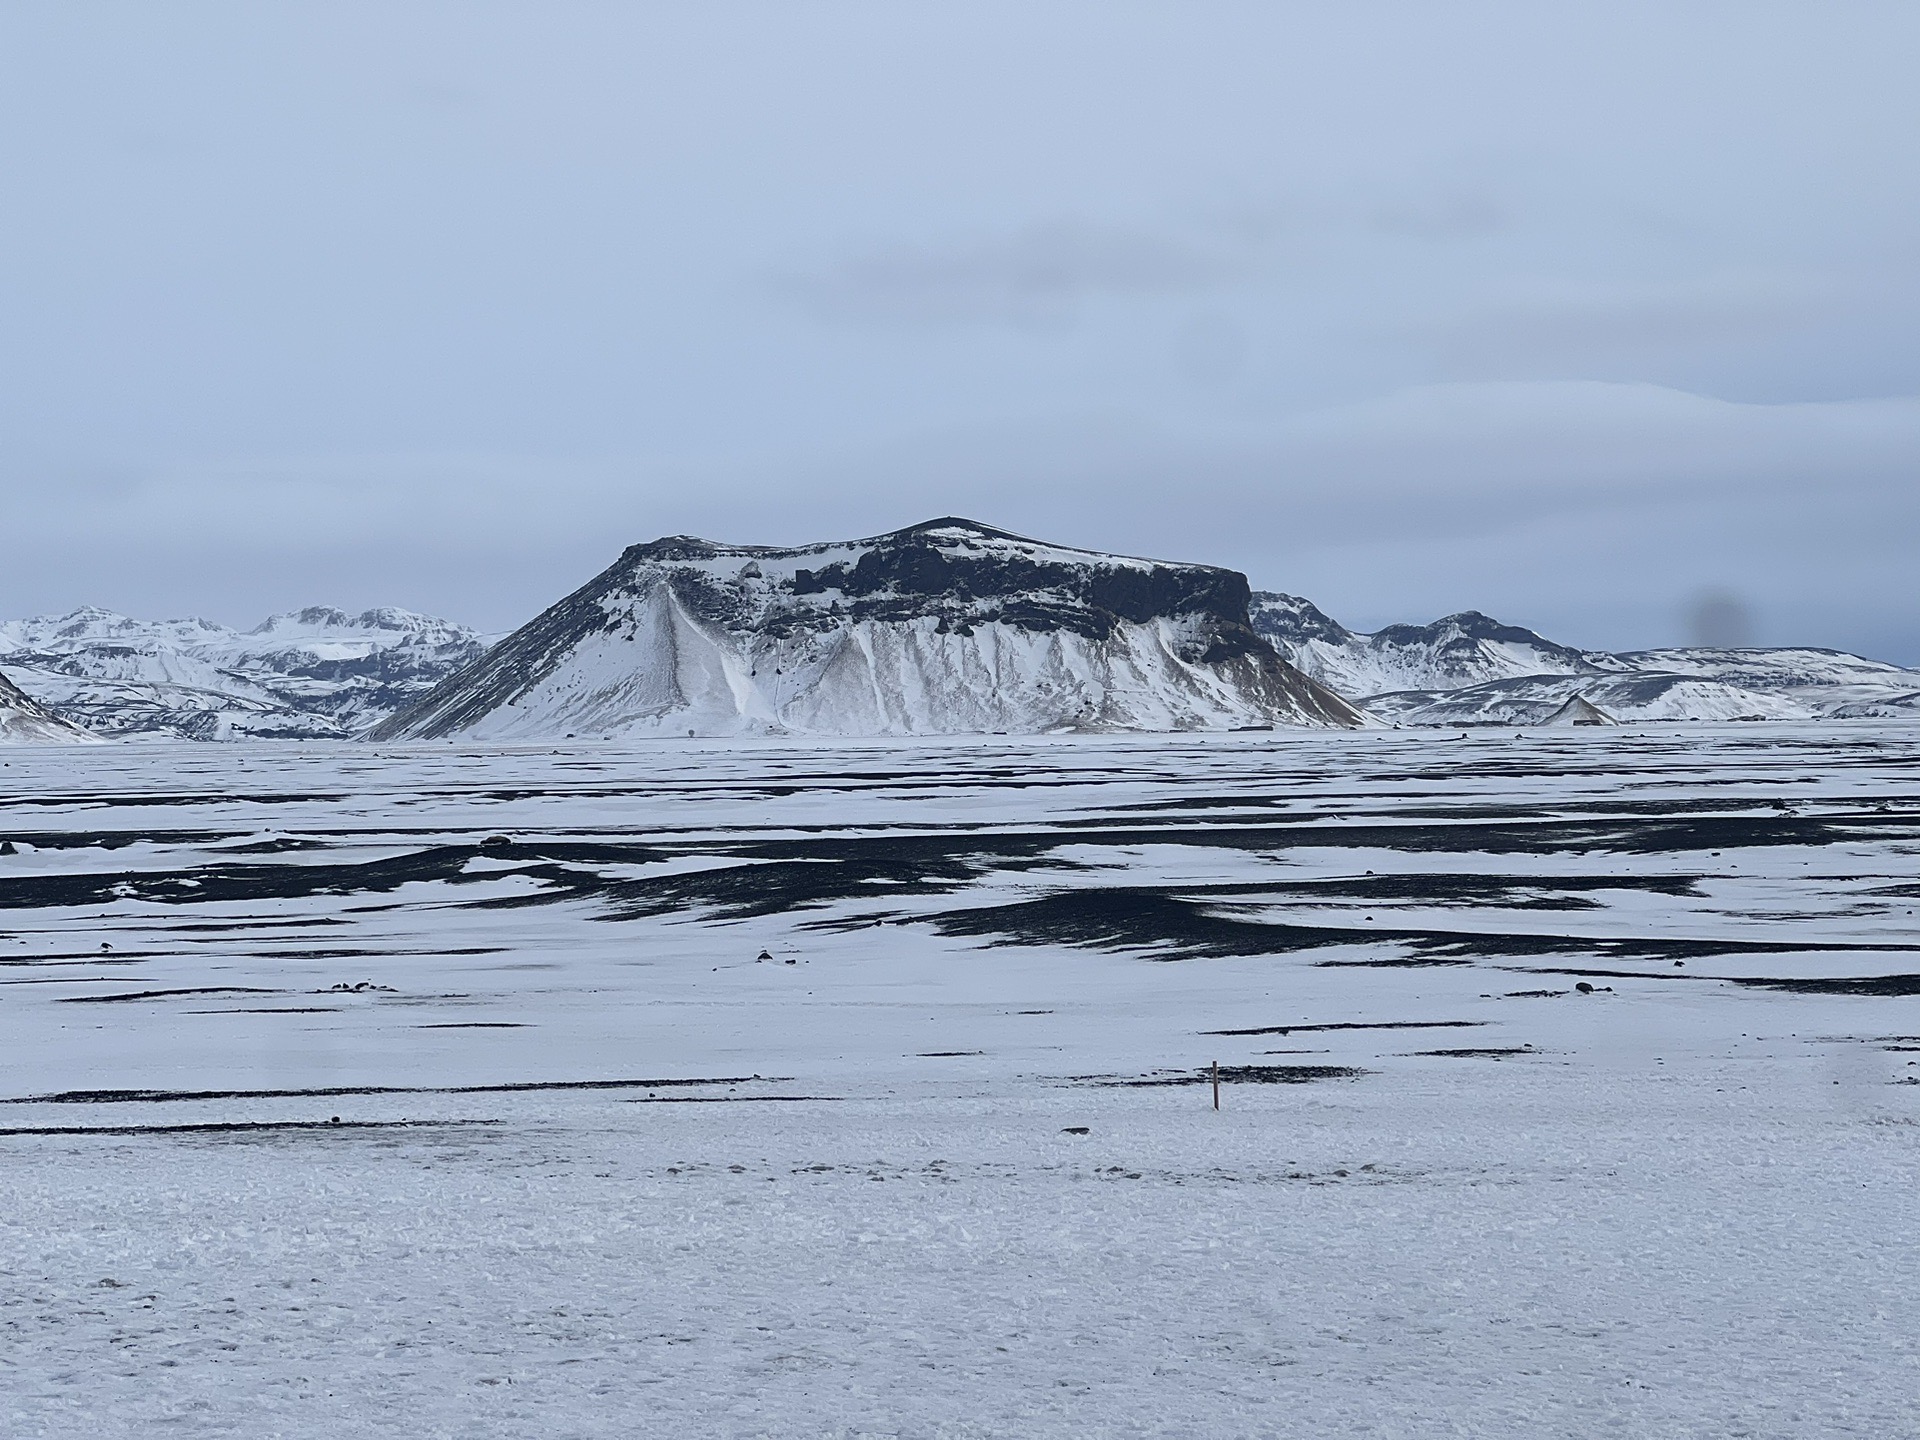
(600, 1171)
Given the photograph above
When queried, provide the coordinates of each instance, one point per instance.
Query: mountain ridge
(315, 673)
(961, 611)
(1470, 669)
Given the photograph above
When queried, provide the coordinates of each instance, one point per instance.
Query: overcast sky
(1570, 313)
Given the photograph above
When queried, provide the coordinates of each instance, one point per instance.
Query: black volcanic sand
(831, 881)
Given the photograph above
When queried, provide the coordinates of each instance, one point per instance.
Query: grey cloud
(1044, 272)
(1560, 321)
(1041, 273)
(1445, 216)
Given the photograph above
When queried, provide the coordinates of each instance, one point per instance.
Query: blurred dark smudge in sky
(1720, 619)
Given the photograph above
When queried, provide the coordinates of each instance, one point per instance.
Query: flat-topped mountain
(945, 627)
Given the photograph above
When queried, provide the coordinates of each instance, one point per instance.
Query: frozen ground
(844, 1196)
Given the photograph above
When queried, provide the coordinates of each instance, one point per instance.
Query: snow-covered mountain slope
(1886, 707)
(1464, 649)
(1536, 699)
(1470, 669)
(314, 673)
(1779, 668)
(1825, 681)
(24, 721)
(941, 628)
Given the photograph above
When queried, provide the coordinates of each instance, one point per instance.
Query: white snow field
(597, 1170)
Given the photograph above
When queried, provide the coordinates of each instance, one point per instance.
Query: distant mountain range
(317, 673)
(946, 627)
(1469, 669)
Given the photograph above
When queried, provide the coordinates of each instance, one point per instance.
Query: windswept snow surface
(948, 627)
(600, 1171)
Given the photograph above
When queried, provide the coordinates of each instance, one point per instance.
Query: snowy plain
(598, 1170)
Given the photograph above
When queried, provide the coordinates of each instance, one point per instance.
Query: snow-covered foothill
(1531, 699)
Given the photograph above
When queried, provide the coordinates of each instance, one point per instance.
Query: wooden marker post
(1216, 1084)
